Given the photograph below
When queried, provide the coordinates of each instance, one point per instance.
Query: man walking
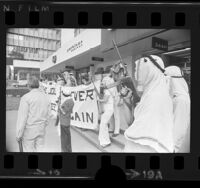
(33, 116)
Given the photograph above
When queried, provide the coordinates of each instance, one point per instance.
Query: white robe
(108, 106)
(153, 123)
(181, 109)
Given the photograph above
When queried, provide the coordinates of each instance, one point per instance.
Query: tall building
(29, 45)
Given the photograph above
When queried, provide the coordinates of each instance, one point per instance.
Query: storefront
(22, 69)
(78, 54)
(93, 50)
(133, 42)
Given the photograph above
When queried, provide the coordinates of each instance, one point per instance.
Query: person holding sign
(33, 117)
(108, 105)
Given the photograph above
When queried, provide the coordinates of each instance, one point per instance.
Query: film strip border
(100, 15)
(138, 166)
(135, 166)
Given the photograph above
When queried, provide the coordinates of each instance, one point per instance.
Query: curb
(113, 140)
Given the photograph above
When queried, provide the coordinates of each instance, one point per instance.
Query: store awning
(77, 52)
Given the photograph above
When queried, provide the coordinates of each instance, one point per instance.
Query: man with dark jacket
(64, 111)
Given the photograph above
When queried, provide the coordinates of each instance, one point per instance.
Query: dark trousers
(65, 139)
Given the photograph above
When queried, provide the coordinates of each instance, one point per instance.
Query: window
(35, 32)
(31, 42)
(45, 44)
(15, 37)
(10, 39)
(51, 45)
(21, 37)
(49, 33)
(54, 34)
(26, 41)
(36, 43)
(31, 33)
(57, 44)
(40, 43)
(45, 33)
(78, 31)
(58, 34)
(40, 32)
(26, 31)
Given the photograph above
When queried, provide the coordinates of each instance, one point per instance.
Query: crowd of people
(154, 110)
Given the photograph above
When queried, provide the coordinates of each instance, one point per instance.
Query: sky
(66, 35)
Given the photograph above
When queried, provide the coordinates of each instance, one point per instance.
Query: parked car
(15, 84)
(20, 83)
(23, 83)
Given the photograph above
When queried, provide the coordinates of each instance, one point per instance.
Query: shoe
(114, 135)
(104, 146)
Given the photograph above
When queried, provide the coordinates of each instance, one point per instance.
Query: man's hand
(18, 139)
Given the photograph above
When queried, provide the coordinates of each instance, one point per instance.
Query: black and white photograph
(98, 90)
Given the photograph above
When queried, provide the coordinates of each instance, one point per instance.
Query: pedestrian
(65, 110)
(152, 128)
(33, 116)
(181, 108)
(108, 105)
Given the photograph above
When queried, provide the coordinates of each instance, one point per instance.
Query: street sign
(97, 59)
(159, 44)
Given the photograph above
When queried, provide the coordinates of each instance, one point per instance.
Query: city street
(52, 144)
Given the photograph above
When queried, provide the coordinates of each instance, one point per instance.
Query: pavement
(52, 139)
(83, 140)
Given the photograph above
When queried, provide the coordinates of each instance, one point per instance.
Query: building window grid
(36, 47)
(54, 38)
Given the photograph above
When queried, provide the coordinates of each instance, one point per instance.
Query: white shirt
(34, 110)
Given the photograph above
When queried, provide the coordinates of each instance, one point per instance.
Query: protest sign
(85, 111)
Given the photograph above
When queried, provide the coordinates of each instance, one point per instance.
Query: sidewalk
(82, 141)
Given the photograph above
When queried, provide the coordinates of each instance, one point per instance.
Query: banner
(85, 111)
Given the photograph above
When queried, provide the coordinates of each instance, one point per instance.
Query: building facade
(31, 44)
(92, 50)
